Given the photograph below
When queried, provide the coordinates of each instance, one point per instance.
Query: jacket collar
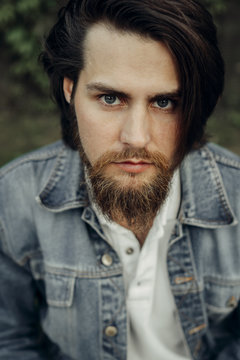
(204, 199)
(66, 188)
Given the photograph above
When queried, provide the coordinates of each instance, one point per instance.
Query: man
(122, 242)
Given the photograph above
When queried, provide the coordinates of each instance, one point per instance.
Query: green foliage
(215, 6)
(22, 26)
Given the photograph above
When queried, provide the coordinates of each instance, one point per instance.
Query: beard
(129, 198)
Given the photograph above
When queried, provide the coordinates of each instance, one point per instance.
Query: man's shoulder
(36, 166)
(212, 156)
(52, 172)
(214, 161)
(24, 178)
(228, 165)
(37, 157)
(224, 157)
(210, 179)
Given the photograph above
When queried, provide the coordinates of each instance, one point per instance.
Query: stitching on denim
(115, 349)
(207, 153)
(55, 174)
(180, 265)
(122, 297)
(204, 223)
(225, 161)
(27, 256)
(182, 301)
(3, 239)
(220, 185)
(33, 157)
(223, 310)
(91, 273)
(69, 299)
(232, 160)
(66, 206)
(221, 281)
(93, 225)
(194, 287)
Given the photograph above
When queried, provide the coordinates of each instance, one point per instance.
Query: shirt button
(129, 251)
(111, 331)
(107, 260)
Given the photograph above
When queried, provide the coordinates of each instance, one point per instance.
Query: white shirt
(154, 330)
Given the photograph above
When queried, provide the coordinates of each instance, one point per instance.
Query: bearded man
(122, 240)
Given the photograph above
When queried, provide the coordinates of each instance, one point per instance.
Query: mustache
(137, 205)
(156, 158)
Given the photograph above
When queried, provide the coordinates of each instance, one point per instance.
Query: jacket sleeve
(21, 336)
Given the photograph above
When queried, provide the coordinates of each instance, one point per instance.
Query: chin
(132, 180)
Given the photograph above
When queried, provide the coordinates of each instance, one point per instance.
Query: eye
(110, 99)
(164, 103)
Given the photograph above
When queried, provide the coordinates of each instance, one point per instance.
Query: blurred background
(29, 118)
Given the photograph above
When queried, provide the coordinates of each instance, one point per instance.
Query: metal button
(130, 251)
(111, 331)
(232, 302)
(107, 260)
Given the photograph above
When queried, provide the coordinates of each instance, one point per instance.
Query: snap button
(111, 331)
(232, 302)
(107, 260)
(130, 251)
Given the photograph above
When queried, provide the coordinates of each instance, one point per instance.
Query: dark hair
(185, 27)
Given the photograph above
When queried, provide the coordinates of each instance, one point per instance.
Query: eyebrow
(104, 88)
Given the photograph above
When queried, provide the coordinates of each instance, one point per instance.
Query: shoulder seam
(34, 157)
(226, 161)
(223, 159)
(3, 239)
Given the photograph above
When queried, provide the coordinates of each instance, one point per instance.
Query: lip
(133, 166)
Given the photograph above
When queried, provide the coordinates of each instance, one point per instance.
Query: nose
(135, 130)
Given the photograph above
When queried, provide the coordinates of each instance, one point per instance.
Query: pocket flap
(222, 296)
(59, 290)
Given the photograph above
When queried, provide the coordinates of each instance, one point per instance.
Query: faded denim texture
(57, 298)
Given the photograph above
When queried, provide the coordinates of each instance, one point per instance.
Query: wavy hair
(184, 26)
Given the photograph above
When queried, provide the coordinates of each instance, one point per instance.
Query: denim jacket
(61, 284)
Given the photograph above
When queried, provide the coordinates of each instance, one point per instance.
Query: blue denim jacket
(60, 300)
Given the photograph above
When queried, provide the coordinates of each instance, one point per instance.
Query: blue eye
(110, 99)
(163, 103)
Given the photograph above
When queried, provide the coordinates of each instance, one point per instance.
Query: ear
(67, 88)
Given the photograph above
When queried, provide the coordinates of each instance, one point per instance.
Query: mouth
(135, 166)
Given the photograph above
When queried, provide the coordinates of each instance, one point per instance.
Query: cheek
(97, 135)
(166, 138)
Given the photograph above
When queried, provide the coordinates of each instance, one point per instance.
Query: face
(127, 97)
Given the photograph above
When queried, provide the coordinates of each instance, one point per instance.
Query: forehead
(127, 58)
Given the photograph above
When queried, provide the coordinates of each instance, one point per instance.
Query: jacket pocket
(221, 297)
(59, 290)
